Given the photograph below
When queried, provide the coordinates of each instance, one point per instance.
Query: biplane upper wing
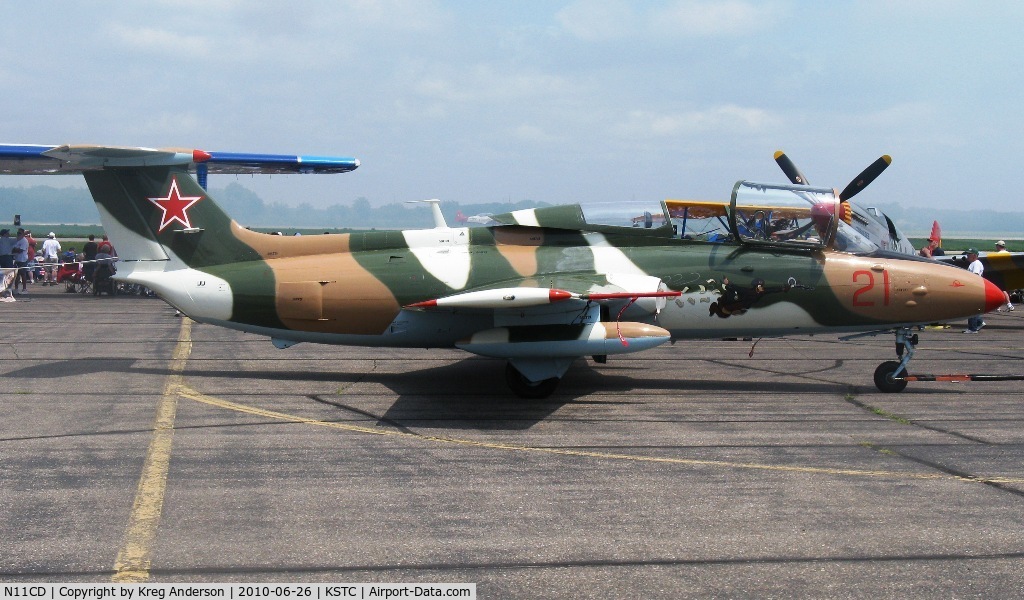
(696, 209)
(703, 209)
(36, 159)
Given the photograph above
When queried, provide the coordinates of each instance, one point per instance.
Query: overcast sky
(592, 100)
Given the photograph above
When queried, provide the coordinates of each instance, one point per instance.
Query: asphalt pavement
(139, 446)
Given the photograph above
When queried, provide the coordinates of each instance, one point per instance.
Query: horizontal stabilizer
(20, 159)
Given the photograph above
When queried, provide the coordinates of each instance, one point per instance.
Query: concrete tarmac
(138, 446)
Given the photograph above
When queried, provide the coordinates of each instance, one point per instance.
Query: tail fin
(936, 233)
(162, 214)
(149, 203)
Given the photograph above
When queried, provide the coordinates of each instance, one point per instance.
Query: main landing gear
(524, 388)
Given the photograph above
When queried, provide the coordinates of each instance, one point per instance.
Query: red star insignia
(175, 206)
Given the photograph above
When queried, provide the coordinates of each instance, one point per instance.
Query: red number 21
(869, 285)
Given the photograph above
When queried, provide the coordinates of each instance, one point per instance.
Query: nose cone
(994, 297)
(906, 291)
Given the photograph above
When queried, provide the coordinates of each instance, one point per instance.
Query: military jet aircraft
(542, 289)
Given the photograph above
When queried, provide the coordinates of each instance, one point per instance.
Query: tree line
(68, 205)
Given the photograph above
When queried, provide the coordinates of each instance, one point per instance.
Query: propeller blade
(866, 176)
(794, 174)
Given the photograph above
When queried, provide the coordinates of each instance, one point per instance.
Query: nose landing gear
(892, 375)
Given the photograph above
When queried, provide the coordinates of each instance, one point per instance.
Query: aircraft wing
(699, 209)
(696, 209)
(541, 329)
(1005, 269)
(575, 290)
(35, 159)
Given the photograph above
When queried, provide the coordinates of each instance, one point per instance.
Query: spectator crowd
(24, 261)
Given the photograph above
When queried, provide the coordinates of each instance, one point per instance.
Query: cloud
(606, 20)
(318, 34)
(711, 18)
(598, 20)
(152, 40)
(485, 83)
(394, 15)
(727, 118)
(533, 133)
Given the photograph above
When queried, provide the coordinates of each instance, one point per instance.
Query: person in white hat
(51, 255)
(1001, 249)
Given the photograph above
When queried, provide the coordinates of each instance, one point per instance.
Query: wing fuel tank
(520, 297)
(564, 340)
(497, 298)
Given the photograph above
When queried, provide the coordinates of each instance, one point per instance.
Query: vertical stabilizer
(162, 214)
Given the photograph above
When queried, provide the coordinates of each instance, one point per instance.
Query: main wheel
(884, 380)
(524, 388)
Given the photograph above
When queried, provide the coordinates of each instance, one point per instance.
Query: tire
(524, 388)
(884, 380)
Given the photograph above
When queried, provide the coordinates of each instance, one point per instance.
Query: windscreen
(636, 214)
(792, 216)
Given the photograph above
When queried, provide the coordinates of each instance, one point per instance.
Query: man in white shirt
(51, 255)
(975, 323)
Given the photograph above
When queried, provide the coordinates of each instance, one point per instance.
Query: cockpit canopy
(769, 214)
(791, 216)
(783, 215)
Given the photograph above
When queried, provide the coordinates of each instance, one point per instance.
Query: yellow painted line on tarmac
(191, 394)
(133, 560)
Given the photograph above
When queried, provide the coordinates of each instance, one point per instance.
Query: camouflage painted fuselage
(357, 288)
(541, 290)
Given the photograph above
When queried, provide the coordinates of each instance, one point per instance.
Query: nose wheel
(891, 376)
(885, 377)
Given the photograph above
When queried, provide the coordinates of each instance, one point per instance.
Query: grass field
(957, 246)
(81, 232)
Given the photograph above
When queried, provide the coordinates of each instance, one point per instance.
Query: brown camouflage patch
(519, 247)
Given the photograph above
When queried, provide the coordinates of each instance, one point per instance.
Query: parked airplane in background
(1005, 269)
(542, 289)
(480, 219)
(869, 221)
